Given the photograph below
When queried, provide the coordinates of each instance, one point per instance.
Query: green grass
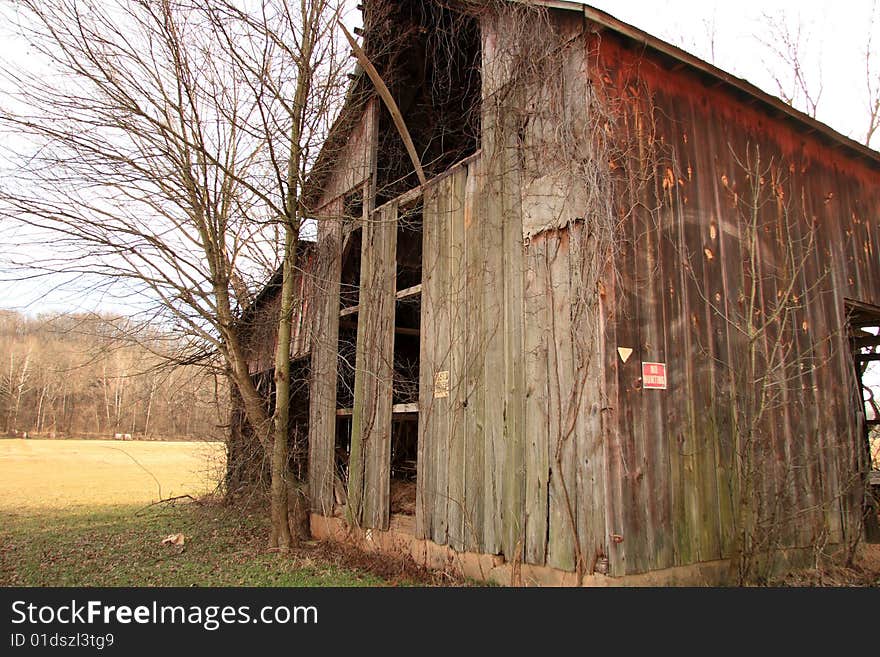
(121, 546)
(76, 513)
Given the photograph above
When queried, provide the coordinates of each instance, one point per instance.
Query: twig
(169, 499)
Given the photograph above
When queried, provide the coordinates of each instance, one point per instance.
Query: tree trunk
(149, 410)
(281, 536)
(40, 408)
(282, 483)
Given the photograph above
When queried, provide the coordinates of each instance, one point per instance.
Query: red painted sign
(654, 376)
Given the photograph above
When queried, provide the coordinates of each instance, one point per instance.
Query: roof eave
(628, 31)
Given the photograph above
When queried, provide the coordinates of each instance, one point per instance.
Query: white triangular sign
(624, 353)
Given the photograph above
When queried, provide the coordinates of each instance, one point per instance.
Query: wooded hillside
(77, 375)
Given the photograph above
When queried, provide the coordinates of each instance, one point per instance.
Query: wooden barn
(616, 336)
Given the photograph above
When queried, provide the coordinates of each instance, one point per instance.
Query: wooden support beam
(405, 200)
(397, 409)
(388, 99)
(408, 292)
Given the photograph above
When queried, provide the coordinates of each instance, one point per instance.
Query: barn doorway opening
(429, 55)
(346, 346)
(405, 391)
(864, 336)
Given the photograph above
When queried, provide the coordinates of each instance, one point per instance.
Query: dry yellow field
(61, 473)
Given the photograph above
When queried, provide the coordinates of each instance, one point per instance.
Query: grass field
(51, 474)
(79, 513)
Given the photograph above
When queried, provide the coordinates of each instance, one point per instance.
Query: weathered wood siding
(354, 160)
(681, 283)
(469, 387)
(504, 320)
(577, 458)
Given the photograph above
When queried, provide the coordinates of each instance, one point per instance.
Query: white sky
(732, 35)
(834, 37)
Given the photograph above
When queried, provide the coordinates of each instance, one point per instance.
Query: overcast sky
(735, 36)
(834, 37)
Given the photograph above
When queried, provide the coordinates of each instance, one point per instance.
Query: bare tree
(872, 80)
(162, 145)
(779, 354)
(799, 82)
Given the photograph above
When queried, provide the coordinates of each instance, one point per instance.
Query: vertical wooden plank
(456, 293)
(536, 310)
(817, 377)
(840, 418)
(425, 483)
(356, 453)
(587, 339)
(493, 364)
(513, 486)
(632, 396)
(675, 296)
(771, 463)
(474, 345)
(701, 435)
(504, 290)
(611, 416)
(442, 351)
(808, 332)
(378, 316)
(653, 448)
(564, 398)
(726, 236)
(324, 337)
(371, 418)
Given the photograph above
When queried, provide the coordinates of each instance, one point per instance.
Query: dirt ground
(395, 570)
(865, 571)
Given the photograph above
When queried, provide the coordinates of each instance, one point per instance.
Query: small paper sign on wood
(441, 384)
(654, 376)
(624, 353)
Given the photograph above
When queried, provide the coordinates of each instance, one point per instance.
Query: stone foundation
(400, 540)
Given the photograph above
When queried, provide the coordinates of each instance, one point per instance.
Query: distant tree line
(83, 375)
